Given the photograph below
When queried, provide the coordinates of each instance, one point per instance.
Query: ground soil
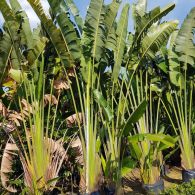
(132, 183)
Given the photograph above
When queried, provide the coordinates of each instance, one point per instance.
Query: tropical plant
(23, 47)
(97, 62)
(180, 98)
(150, 34)
(40, 154)
(64, 39)
(95, 43)
(113, 132)
(102, 45)
(149, 138)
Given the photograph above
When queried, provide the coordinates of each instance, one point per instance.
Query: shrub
(184, 189)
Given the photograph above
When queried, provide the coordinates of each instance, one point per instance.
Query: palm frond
(156, 37)
(184, 43)
(121, 41)
(94, 30)
(67, 28)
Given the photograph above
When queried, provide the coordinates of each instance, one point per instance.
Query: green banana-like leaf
(174, 65)
(104, 104)
(121, 33)
(14, 61)
(128, 165)
(144, 23)
(34, 45)
(165, 139)
(93, 40)
(54, 34)
(39, 44)
(135, 116)
(75, 12)
(184, 43)
(161, 60)
(26, 29)
(141, 7)
(130, 39)
(17, 75)
(12, 27)
(136, 150)
(37, 50)
(162, 146)
(67, 28)
(156, 37)
(5, 51)
(111, 13)
(111, 42)
(110, 24)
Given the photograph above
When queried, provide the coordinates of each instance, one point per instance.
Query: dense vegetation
(185, 189)
(84, 102)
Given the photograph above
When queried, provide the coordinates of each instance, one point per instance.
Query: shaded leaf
(104, 105)
(127, 166)
(135, 116)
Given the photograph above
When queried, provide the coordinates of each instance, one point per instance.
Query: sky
(181, 10)
(179, 13)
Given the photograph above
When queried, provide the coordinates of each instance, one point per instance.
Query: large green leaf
(184, 43)
(39, 43)
(156, 38)
(70, 8)
(141, 7)
(161, 59)
(5, 51)
(67, 28)
(104, 104)
(127, 166)
(12, 27)
(23, 18)
(75, 12)
(174, 65)
(121, 41)
(25, 48)
(54, 34)
(93, 40)
(135, 116)
(144, 23)
(110, 24)
(165, 139)
(33, 42)
(17, 75)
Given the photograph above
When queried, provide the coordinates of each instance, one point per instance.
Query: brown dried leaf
(15, 117)
(3, 109)
(6, 165)
(50, 98)
(82, 183)
(25, 113)
(58, 154)
(8, 127)
(61, 84)
(76, 145)
(72, 120)
(71, 72)
(26, 106)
